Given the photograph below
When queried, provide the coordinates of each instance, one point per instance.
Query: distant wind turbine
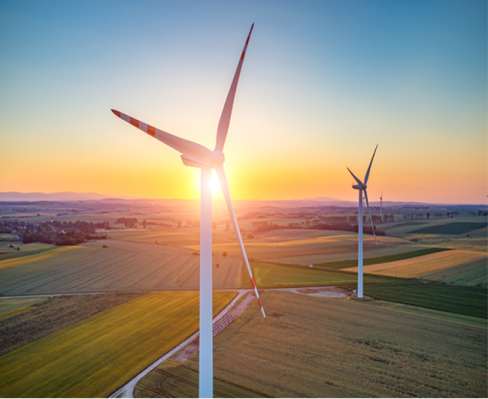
(198, 156)
(362, 188)
(381, 204)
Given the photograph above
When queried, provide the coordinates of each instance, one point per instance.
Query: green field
(451, 228)
(177, 381)
(473, 273)
(470, 301)
(96, 356)
(323, 347)
(383, 259)
(272, 275)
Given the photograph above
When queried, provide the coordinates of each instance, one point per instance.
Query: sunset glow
(323, 83)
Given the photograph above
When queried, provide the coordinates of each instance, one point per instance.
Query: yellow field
(325, 347)
(36, 257)
(422, 265)
(94, 357)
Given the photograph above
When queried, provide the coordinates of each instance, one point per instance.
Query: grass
(8, 305)
(16, 311)
(273, 275)
(39, 319)
(41, 255)
(177, 381)
(94, 357)
(321, 347)
(451, 228)
(383, 259)
(469, 301)
(417, 267)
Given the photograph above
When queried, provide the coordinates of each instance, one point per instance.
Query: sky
(322, 84)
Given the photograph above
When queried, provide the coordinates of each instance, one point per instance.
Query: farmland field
(451, 228)
(49, 253)
(94, 357)
(374, 261)
(424, 265)
(43, 316)
(272, 275)
(322, 347)
(471, 273)
(177, 381)
(121, 266)
(470, 301)
(381, 251)
(266, 247)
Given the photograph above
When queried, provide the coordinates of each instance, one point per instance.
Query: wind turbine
(198, 156)
(381, 204)
(362, 188)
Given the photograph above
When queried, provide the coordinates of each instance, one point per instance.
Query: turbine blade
(358, 181)
(185, 147)
(224, 122)
(225, 190)
(370, 218)
(371, 163)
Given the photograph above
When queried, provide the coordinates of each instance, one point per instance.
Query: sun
(215, 184)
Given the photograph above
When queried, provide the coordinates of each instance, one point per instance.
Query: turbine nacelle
(359, 187)
(209, 159)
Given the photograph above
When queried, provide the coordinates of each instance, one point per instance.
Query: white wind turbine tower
(381, 204)
(198, 156)
(362, 188)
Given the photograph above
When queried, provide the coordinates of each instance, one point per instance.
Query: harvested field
(427, 264)
(125, 266)
(469, 301)
(471, 273)
(271, 275)
(320, 347)
(94, 357)
(52, 314)
(177, 381)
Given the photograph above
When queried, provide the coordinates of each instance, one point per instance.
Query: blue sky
(322, 84)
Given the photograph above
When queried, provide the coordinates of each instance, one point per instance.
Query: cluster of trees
(480, 213)
(261, 227)
(63, 233)
(127, 222)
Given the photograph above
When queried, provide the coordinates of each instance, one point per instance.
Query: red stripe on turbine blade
(117, 113)
(253, 283)
(266, 320)
(151, 130)
(242, 55)
(260, 304)
(134, 122)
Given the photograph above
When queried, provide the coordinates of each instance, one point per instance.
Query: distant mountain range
(64, 196)
(305, 202)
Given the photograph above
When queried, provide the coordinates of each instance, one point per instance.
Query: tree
(144, 223)
(428, 215)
